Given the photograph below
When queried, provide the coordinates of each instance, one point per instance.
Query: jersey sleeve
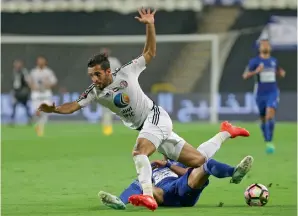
(87, 97)
(139, 65)
(251, 65)
(136, 66)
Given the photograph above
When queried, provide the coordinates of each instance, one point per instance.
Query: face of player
(101, 78)
(265, 47)
(41, 62)
(17, 65)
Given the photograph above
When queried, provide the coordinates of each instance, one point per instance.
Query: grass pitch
(61, 173)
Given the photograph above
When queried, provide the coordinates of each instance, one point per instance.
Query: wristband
(168, 164)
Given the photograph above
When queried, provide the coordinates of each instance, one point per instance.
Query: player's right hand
(260, 68)
(47, 108)
(158, 163)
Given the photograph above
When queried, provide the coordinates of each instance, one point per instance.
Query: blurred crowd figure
(42, 81)
(20, 89)
(107, 120)
(37, 85)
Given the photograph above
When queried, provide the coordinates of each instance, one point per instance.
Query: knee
(197, 161)
(270, 114)
(143, 147)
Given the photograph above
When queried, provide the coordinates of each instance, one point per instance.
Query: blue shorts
(264, 101)
(178, 193)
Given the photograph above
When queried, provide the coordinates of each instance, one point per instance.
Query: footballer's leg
(142, 150)
(39, 129)
(107, 122)
(261, 104)
(157, 128)
(271, 107)
(111, 201)
(199, 176)
(196, 157)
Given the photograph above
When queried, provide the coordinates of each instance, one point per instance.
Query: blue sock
(133, 189)
(263, 130)
(271, 128)
(217, 169)
(267, 131)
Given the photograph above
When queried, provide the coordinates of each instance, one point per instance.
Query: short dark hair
(99, 59)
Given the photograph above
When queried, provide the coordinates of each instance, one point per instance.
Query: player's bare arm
(250, 74)
(147, 17)
(66, 108)
(180, 171)
(176, 169)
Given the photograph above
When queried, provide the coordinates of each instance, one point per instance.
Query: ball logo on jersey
(123, 84)
(121, 100)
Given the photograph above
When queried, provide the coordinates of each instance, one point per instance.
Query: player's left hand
(158, 163)
(282, 73)
(146, 16)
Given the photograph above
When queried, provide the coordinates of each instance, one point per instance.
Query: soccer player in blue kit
(178, 185)
(266, 69)
(175, 185)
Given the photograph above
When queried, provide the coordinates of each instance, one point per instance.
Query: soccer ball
(256, 195)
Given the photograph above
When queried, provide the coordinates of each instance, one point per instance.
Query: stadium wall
(181, 107)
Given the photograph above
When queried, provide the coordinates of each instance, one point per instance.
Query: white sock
(210, 147)
(144, 171)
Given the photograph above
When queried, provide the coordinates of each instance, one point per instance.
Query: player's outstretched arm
(66, 108)
(250, 74)
(147, 17)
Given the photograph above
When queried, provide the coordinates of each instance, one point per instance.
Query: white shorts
(158, 129)
(41, 97)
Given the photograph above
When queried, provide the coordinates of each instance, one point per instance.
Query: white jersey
(41, 78)
(124, 95)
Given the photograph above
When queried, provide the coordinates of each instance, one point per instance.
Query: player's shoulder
(272, 58)
(48, 70)
(254, 59)
(124, 69)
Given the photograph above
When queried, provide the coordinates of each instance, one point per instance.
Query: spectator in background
(20, 90)
(42, 81)
(107, 121)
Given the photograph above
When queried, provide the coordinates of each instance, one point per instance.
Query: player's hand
(47, 108)
(260, 68)
(245, 75)
(146, 16)
(282, 73)
(158, 163)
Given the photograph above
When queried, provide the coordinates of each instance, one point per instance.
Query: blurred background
(203, 49)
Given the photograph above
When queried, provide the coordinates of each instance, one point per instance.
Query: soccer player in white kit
(121, 93)
(42, 80)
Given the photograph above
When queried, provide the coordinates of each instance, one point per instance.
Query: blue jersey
(162, 177)
(266, 79)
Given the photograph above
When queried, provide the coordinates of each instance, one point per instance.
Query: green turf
(61, 173)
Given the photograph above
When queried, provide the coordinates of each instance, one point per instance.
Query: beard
(265, 51)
